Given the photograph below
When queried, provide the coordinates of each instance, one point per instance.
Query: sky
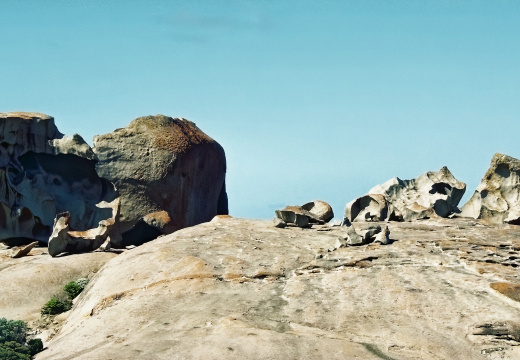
(311, 100)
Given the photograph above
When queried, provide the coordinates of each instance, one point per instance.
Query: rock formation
(431, 194)
(43, 173)
(497, 198)
(159, 163)
(167, 173)
(314, 212)
(243, 289)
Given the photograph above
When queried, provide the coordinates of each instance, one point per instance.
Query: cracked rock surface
(243, 289)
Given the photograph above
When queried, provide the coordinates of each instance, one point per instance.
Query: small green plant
(56, 305)
(74, 288)
(13, 337)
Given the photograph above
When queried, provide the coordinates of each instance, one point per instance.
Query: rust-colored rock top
(174, 134)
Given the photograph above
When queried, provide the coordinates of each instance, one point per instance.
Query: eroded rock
(107, 233)
(170, 174)
(497, 198)
(159, 163)
(320, 210)
(42, 174)
(431, 194)
(314, 212)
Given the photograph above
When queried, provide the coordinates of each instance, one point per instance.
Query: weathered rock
(373, 207)
(279, 223)
(42, 174)
(320, 210)
(24, 250)
(383, 237)
(159, 163)
(243, 289)
(369, 234)
(497, 198)
(64, 239)
(314, 212)
(431, 194)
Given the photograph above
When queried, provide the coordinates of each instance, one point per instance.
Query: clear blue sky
(310, 99)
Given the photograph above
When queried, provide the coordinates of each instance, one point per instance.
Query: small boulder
(320, 210)
(314, 212)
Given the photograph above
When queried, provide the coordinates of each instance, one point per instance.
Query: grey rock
(279, 223)
(159, 163)
(370, 233)
(301, 220)
(353, 238)
(433, 194)
(106, 235)
(320, 210)
(383, 236)
(24, 250)
(42, 174)
(373, 207)
(497, 197)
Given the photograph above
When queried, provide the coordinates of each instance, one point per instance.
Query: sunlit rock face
(42, 173)
(433, 194)
(497, 198)
(159, 163)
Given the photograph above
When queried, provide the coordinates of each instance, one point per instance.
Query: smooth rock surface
(159, 163)
(243, 289)
(497, 198)
(29, 282)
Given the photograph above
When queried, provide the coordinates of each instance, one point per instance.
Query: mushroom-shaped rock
(431, 194)
(497, 198)
(159, 163)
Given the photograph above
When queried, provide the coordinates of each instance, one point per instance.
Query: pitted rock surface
(433, 194)
(497, 198)
(43, 173)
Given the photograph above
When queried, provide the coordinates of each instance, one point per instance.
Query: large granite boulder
(497, 198)
(431, 194)
(42, 173)
(159, 163)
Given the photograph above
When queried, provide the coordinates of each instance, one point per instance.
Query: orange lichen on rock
(510, 290)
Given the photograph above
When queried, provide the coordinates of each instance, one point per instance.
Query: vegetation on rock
(74, 288)
(13, 341)
(56, 305)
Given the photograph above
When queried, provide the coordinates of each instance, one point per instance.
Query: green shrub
(13, 351)
(74, 288)
(13, 335)
(11, 330)
(35, 346)
(56, 305)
